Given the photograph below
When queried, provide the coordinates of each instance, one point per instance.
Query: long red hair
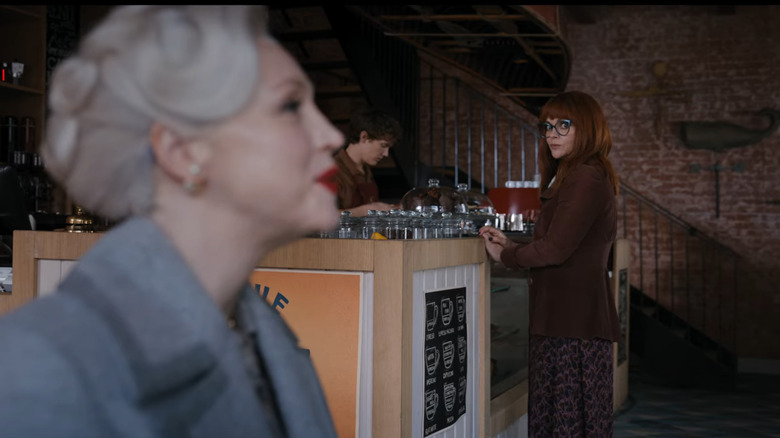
(592, 140)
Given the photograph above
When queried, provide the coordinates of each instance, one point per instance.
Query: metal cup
(516, 222)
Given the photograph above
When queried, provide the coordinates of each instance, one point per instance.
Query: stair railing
(470, 137)
(681, 270)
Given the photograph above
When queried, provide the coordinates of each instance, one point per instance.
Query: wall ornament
(718, 136)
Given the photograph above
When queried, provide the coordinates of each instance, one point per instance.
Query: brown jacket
(570, 292)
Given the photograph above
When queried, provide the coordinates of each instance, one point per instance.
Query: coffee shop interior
(691, 95)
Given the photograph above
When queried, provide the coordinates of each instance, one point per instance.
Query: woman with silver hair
(198, 134)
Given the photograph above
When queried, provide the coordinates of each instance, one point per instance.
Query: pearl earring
(194, 184)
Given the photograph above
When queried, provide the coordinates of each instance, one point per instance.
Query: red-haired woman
(573, 321)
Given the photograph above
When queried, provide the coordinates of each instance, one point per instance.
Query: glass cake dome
(434, 199)
(476, 202)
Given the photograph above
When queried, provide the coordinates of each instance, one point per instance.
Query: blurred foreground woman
(197, 132)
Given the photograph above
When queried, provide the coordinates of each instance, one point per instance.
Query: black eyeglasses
(561, 127)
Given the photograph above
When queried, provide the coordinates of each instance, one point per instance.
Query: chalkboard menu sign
(445, 359)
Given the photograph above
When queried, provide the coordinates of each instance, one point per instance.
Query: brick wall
(719, 67)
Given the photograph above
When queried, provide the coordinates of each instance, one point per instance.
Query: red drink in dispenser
(516, 198)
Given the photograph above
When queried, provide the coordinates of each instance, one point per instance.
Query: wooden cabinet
(23, 39)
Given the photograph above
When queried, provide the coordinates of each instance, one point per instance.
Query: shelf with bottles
(23, 97)
(35, 182)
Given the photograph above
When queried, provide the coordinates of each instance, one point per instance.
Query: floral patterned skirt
(570, 388)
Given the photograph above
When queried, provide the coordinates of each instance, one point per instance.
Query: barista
(370, 136)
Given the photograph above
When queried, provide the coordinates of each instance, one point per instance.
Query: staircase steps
(649, 310)
(712, 354)
(676, 352)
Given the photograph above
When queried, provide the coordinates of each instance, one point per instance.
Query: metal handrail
(465, 111)
(691, 275)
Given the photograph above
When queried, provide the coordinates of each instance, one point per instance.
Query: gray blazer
(131, 346)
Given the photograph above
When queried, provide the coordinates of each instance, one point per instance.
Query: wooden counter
(30, 247)
(399, 275)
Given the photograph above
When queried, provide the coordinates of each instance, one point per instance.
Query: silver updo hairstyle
(184, 66)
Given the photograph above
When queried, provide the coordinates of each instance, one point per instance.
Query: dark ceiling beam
(582, 14)
(451, 17)
(533, 50)
(550, 51)
(549, 43)
(457, 50)
(725, 9)
(510, 27)
(296, 36)
(473, 35)
(344, 78)
(329, 65)
(339, 92)
(530, 92)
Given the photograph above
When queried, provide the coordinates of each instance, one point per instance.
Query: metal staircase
(684, 288)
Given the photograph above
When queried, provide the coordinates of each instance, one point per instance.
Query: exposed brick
(729, 69)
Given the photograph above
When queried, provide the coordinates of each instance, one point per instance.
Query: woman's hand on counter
(495, 241)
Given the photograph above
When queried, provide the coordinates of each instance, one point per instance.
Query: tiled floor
(654, 409)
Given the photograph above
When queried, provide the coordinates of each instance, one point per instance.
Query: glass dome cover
(434, 199)
(476, 202)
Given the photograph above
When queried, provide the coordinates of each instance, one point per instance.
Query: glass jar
(415, 225)
(431, 226)
(372, 223)
(348, 225)
(397, 226)
(450, 225)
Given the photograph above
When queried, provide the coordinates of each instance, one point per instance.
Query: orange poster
(323, 309)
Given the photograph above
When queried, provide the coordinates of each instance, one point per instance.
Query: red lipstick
(328, 179)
